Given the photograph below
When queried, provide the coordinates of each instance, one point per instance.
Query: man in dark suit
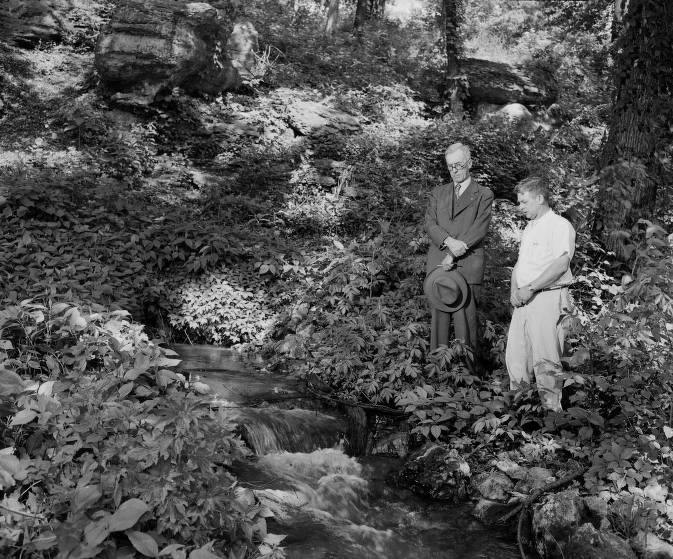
(457, 221)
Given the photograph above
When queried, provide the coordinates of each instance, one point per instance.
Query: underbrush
(617, 396)
(312, 252)
(106, 450)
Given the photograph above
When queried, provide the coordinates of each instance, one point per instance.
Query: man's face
(530, 204)
(459, 165)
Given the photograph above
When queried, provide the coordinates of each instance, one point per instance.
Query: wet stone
(494, 486)
(437, 473)
(534, 478)
(490, 512)
(511, 468)
(395, 444)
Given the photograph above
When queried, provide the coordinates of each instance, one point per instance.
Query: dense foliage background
(308, 249)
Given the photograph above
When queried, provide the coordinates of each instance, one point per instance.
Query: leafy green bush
(106, 449)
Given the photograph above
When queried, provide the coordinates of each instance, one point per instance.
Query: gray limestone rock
(494, 486)
(29, 22)
(158, 45)
(500, 83)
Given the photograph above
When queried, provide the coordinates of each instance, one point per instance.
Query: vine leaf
(128, 513)
(144, 543)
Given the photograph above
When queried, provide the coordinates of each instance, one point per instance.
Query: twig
(3, 507)
(539, 492)
(384, 410)
(519, 529)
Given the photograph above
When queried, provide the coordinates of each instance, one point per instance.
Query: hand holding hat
(446, 290)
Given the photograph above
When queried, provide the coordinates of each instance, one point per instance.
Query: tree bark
(361, 13)
(368, 9)
(332, 17)
(631, 162)
(377, 8)
(451, 19)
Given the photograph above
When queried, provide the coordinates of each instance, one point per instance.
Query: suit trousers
(464, 323)
(535, 345)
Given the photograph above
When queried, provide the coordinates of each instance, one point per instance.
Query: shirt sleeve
(563, 240)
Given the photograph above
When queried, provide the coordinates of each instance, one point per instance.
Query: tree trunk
(451, 21)
(377, 8)
(451, 18)
(631, 159)
(368, 9)
(361, 13)
(332, 17)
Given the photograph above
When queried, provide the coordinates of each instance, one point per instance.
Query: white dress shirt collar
(462, 186)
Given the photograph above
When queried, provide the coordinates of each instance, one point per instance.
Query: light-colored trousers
(535, 345)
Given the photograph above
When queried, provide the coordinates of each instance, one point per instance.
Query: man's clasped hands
(456, 250)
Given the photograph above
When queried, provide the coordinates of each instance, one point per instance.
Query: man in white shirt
(539, 294)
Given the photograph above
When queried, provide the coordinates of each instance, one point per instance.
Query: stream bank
(330, 505)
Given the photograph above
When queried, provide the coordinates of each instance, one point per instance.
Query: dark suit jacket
(467, 220)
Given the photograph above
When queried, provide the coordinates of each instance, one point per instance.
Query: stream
(331, 505)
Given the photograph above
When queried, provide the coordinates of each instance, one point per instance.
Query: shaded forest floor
(233, 221)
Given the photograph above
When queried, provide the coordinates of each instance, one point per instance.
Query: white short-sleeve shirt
(543, 240)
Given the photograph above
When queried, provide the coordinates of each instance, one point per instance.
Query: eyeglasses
(458, 166)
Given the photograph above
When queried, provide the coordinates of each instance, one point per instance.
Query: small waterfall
(268, 430)
(330, 505)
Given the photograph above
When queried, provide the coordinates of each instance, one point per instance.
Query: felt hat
(446, 291)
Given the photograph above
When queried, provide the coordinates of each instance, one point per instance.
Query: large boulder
(26, 23)
(500, 83)
(436, 472)
(154, 46)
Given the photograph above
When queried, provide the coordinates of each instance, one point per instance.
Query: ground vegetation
(221, 220)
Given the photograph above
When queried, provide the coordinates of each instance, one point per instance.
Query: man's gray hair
(535, 185)
(458, 147)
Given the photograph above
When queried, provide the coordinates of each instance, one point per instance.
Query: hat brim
(446, 278)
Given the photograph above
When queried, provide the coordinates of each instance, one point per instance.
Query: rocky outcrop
(26, 23)
(501, 84)
(314, 118)
(153, 46)
(436, 472)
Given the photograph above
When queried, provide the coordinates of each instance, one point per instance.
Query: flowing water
(331, 505)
